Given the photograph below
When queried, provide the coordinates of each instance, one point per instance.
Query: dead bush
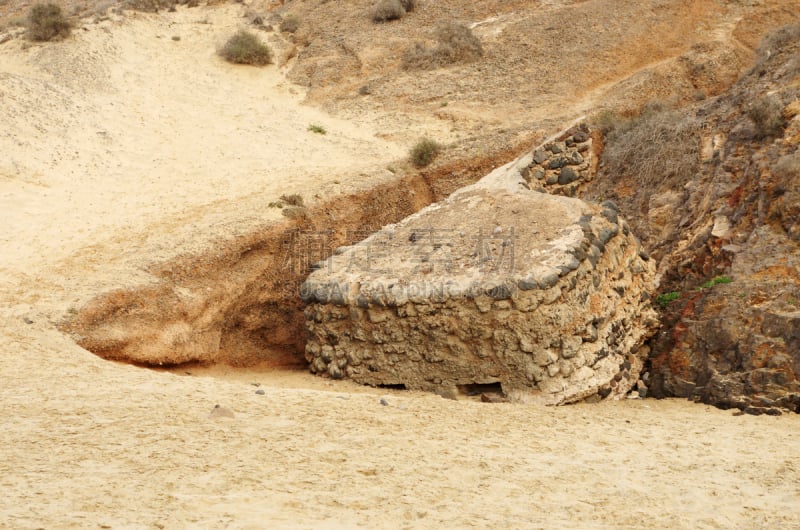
(295, 212)
(387, 10)
(246, 48)
(767, 115)
(409, 5)
(295, 199)
(778, 39)
(46, 22)
(784, 205)
(606, 121)
(659, 148)
(787, 168)
(154, 6)
(455, 43)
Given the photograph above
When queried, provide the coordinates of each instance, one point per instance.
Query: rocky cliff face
(547, 295)
(726, 232)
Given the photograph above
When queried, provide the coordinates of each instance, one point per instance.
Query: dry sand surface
(121, 147)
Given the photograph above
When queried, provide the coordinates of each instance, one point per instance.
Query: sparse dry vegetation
(785, 203)
(767, 115)
(47, 22)
(424, 152)
(409, 5)
(455, 44)
(294, 199)
(778, 39)
(787, 167)
(154, 6)
(386, 10)
(294, 212)
(659, 147)
(246, 48)
(290, 24)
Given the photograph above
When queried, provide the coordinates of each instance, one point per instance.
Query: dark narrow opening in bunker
(393, 387)
(476, 389)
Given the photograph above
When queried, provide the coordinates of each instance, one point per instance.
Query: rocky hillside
(712, 190)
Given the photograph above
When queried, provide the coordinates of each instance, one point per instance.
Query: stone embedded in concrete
(542, 293)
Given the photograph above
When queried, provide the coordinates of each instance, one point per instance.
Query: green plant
(424, 152)
(246, 48)
(455, 43)
(767, 115)
(46, 22)
(716, 281)
(319, 129)
(290, 24)
(387, 10)
(664, 299)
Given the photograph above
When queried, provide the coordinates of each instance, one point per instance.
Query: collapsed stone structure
(546, 295)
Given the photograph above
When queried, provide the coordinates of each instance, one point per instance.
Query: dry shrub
(408, 5)
(46, 22)
(290, 24)
(295, 199)
(787, 172)
(606, 121)
(294, 212)
(424, 152)
(246, 48)
(778, 39)
(387, 10)
(767, 115)
(455, 44)
(154, 6)
(659, 148)
(784, 205)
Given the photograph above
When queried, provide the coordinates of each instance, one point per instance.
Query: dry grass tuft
(455, 44)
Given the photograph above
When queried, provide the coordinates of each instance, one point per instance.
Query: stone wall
(545, 294)
(564, 163)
